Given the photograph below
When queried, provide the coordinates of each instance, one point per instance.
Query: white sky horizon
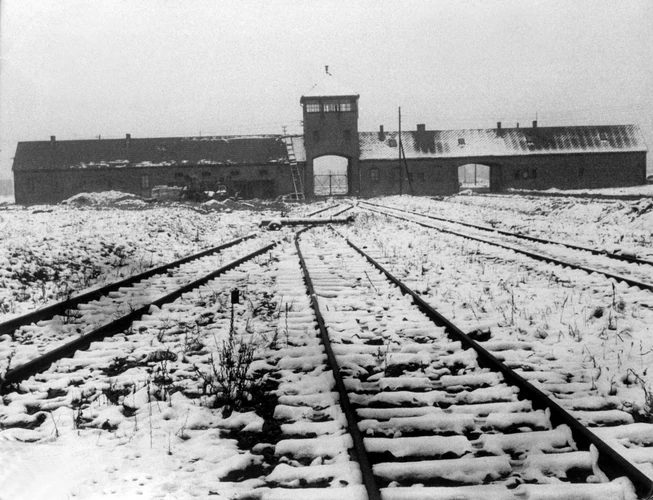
(80, 69)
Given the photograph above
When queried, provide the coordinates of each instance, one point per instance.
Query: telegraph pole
(401, 191)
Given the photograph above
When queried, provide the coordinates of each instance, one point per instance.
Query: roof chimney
(517, 124)
(128, 140)
(499, 126)
(53, 139)
(421, 127)
(534, 123)
(381, 133)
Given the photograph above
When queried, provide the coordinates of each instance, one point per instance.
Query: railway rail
(428, 406)
(538, 253)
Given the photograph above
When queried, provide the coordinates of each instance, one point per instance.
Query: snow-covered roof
(502, 142)
(153, 152)
(329, 87)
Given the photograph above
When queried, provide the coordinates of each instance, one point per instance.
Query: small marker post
(235, 299)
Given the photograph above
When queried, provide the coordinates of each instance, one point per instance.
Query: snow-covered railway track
(624, 257)
(105, 312)
(60, 308)
(437, 410)
(330, 211)
(633, 272)
(155, 374)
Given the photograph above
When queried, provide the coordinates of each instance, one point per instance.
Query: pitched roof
(96, 153)
(502, 142)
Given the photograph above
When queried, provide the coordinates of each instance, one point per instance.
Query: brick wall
(53, 186)
(427, 177)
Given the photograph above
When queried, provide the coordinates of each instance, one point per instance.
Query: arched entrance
(475, 176)
(330, 175)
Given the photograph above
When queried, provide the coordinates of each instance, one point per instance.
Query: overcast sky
(77, 69)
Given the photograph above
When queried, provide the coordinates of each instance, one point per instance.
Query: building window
(374, 175)
(234, 173)
(516, 174)
(31, 185)
(396, 173)
(461, 141)
(347, 135)
(179, 175)
(417, 176)
(145, 181)
(581, 171)
(313, 108)
(524, 174)
(206, 174)
(533, 174)
(263, 172)
(316, 136)
(392, 142)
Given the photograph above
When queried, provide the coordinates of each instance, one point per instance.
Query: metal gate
(332, 184)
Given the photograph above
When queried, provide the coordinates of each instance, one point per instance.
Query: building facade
(332, 157)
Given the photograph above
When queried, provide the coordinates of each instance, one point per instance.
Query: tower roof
(329, 87)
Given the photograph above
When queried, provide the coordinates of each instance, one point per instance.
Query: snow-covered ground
(153, 432)
(645, 190)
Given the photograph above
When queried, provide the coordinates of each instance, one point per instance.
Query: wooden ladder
(297, 179)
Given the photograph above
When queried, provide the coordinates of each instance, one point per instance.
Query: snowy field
(185, 447)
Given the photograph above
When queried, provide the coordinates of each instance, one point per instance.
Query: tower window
(313, 108)
(330, 107)
(345, 106)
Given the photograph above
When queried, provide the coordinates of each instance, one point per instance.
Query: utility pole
(402, 153)
(399, 150)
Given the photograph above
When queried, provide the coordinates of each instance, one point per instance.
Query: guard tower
(330, 139)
